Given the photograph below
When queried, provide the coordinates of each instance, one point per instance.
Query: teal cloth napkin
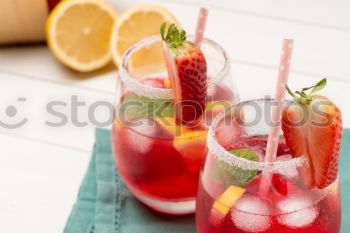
(104, 204)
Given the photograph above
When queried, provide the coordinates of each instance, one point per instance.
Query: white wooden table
(41, 167)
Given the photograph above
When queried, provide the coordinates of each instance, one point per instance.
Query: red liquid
(288, 207)
(152, 167)
(149, 163)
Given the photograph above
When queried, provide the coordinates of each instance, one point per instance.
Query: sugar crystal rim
(162, 93)
(224, 155)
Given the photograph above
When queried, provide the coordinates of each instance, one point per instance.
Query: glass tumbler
(231, 197)
(158, 159)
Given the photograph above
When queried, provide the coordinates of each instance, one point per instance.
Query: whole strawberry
(312, 126)
(187, 70)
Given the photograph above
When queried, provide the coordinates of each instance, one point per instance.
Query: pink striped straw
(201, 22)
(273, 139)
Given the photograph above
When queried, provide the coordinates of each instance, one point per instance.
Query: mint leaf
(224, 173)
(136, 106)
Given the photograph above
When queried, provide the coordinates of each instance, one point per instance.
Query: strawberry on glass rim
(187, 70)
(312, 126)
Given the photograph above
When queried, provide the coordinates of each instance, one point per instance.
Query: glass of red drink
(158, 157)
(231, 197)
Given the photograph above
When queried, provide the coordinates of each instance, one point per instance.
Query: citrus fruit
(79, 31)
(135, 24)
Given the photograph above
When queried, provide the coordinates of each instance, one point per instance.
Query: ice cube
(141, 135)
(297, 211)
(227, 133)
(291, 172)
(251, 214)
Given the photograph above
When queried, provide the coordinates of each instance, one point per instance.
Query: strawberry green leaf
(162, 30)
(300, 93)
(319, 86)
(227, 174)
(307, 88)
(135, 106)
(183, 35)
(174, 37)
(304, 97)
(290, 92)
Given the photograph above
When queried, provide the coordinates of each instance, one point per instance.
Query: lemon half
(135, 24)
(79, 31)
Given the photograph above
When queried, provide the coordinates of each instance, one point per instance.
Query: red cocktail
(230, 198)
(157, 153)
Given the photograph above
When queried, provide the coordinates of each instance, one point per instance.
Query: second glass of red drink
(231, 197)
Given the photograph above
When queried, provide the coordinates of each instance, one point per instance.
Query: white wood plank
(247, 38)
(325, 14)
(38, 94)
(257, 40)
(37, 62)
(331, 14)
(253, 83)
(39, 184)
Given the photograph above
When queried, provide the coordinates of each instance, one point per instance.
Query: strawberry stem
(174, 37)
(291, 92)
(306, 98)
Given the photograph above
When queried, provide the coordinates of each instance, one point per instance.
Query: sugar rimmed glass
(158, 159)
(229, 197)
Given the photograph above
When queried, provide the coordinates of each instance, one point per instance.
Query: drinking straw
(274, 132)
(200, 28)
